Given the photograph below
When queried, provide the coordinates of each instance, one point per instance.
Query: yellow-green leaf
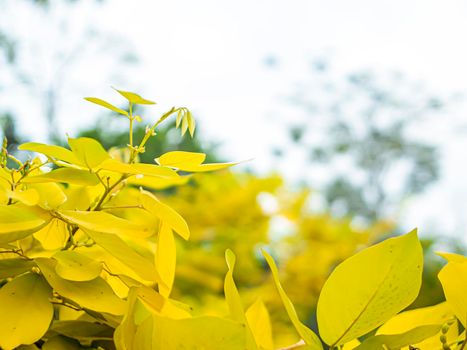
(26, 309)
(66, 175)
(105, 222)
(89, 152)
(135, 98)
(74, 266)
(407, 320)
(54, 235)
(453, 277)
(165, 213)
(310, 338)
(19, 222)
(189, 161)
(116, 247)
(372, 286)
(51, 195)
(55, 152)
(166, 258)
(205, 332)
(398, 341)
(260, 324)
(106, 104)
(14, 267)
(84, 331)
(59, 342)
(95, 295)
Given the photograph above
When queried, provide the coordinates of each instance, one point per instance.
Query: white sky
(208, 55)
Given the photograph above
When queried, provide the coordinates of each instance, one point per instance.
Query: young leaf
(106, 104)
(74, 266)
(134, 98)
(260, 324)
(26, 309)
(372, 286)
(453, 277)
(398, 341)
(310, 338)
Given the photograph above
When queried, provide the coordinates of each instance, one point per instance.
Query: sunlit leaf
(95, 295)
(55, 152)
(19, 222)
(260, 324)
(310, 338)
(26, 310)
(453, 278)
(74, 266)
(65, 175)
(106, 104)
(134, 98)
(88, 151)
(54, 235)
(189, 161)
(166, 257)
(372, 286)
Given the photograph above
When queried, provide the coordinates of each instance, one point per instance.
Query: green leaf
(371, 286)
(106, 223)
(310, 338)
(26, 309)
(106, 104)
(398, 341)
(88, 151)
(134, 98)
(74, 266)
(55, 152)
(96, 295)
(61, 343)
(65, 175)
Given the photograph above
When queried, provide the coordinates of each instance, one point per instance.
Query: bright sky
(209, 55)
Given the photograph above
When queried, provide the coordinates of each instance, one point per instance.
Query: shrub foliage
(88, 258)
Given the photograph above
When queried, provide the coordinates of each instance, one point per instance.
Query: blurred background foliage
(357, 129)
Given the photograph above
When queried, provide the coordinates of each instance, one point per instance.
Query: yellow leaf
(158, 183)
(106, 223)
(165, 213)
(453, 277)
(166, 257)
(51, 195)
(134, 98)
(372, 286)
(106, 104)
(310, 338)
(54, 235)
(15, 266)
(19, 222)
(116, 247)
(61, 343)
(28, 197)
(83, 331)
(206, 332)
(88, 151)
(74, 266)
(95, 295)
(189, 161)
(139, 169)
(260, 324)
(407, 320)
(55, 152)
(66, 175)
(26, 309)
(396, 342)
(351, 345)
(453, 257)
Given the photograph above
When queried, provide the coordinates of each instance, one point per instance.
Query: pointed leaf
(66, 175)
(106, 104)
(453, 277)
(372, 286)
(260, 324)
(55, 152)
(89, 152)
(134, 98)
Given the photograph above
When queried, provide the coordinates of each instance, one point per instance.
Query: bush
(88, 259)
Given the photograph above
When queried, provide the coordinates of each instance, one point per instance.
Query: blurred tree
(21, 55)
(364, 132)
